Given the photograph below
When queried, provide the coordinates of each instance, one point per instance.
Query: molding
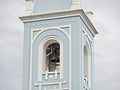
(45, 29)
(30, 71)
(48, 28)
(32, 42)
(61, 14)
(40, 56)
(93, 73)
(52, 83)
(86, 42)
(89, 12)
(86, 34)
(70, 61)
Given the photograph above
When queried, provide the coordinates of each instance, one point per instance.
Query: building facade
(58, 45)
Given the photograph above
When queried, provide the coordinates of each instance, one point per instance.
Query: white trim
(61, 14)
(70, 61)
(44, 29)
(86, 43)
(46, 74)
(40, 87)
(51, 73)
(47, 28)
(82, 54)
(86, 34)
(93, 73)
(53, 83)
(32, 42)
(56, 74)
(30, 72)
(40, 58)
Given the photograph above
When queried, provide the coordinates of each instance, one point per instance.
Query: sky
(107, 44)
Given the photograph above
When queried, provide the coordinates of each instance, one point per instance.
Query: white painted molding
(86, 42)
(70, 58)
(61, 14)
(40, 57)
(86, 34)
(53, 27)
(32, 42)
(52, 83)
(30, 70)
(89, 14)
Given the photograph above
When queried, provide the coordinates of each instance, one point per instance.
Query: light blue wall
(48, 5)
(76, 50)
(26, 56)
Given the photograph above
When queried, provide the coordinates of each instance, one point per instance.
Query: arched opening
(86, 63)
(51, 56)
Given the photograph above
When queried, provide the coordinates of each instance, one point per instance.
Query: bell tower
(58, 45)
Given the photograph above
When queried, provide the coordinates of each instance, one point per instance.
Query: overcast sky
(107, 44)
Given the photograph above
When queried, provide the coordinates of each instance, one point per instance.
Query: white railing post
(46, 75)
(55, 74)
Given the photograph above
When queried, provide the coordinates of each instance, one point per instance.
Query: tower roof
(42, 6)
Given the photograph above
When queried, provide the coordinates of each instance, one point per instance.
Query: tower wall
(67, 24)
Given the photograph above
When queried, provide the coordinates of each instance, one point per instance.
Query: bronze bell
(53, 55)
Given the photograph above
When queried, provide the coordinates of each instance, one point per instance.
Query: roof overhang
(60, 14)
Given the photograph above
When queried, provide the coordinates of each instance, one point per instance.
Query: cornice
(60, 14)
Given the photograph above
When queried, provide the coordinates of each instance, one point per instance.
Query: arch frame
(87, 44)
(41, 58)
(32, 42)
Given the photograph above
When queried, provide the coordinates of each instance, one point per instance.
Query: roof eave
(59, 14)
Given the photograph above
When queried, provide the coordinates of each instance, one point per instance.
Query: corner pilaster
(75, 4)
(29, 5)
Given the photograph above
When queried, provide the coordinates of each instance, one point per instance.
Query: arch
(42, 48)
(49, 34)
(85, 62)
(52, 56)
(87, 57)
(44, 30)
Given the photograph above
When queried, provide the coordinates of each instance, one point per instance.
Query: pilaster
(75, 4)
(29, 5)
